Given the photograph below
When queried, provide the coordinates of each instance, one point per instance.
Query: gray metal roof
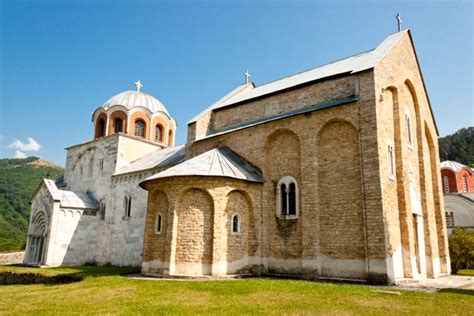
(225, 98)
(453, 165)
(70, 199)
(159, 158)
(349, 65)
(218, 162)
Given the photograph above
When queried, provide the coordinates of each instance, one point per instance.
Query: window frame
(286, 181)
(159, 127)
(446, 184)
(128, 206)
(158, 224)
(392, 168)
(102, 210)
(465, 186)
(142, 128)
(118, 122)
(235, 215)
(408, 128)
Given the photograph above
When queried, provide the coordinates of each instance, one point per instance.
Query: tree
(458, 147)
(461, 249)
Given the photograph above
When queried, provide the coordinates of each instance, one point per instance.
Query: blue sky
(60, 60)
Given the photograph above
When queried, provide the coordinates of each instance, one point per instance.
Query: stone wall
(7, 258)
(357, 216)
(416, 185)
(196, 237)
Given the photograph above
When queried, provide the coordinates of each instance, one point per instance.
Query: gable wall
(399, 91)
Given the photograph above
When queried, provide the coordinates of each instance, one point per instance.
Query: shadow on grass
(63, 275)
(457, 291)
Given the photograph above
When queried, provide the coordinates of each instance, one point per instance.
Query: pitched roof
(453, 165)
(225, 98)
(353, 64)
(218, 162)
(70, 199)
(159, 158)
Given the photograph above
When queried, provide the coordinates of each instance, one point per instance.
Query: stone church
(332, 172)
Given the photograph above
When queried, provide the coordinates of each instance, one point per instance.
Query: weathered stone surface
(7, 258)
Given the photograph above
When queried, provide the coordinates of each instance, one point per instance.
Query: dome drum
(135, 113)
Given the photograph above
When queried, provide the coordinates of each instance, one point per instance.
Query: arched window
(100, 128)
(158, 224)
(235, 224)
(408, 126)
(464, 184)
(128, 206)
(118, 125)
(170, 138)
(139, 128)
(446, 184)
(158, 133)
(287, 198)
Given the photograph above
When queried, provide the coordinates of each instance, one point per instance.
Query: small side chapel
(332, 172)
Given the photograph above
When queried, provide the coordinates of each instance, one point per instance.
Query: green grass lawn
(105, 291)
(466, 272)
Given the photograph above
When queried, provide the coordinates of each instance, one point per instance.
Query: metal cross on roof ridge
(247, 76)
(399, 21)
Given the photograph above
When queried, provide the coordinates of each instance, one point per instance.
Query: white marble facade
(83, 217)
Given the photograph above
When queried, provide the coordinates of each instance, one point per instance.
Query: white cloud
(32, 145)
(19, 154)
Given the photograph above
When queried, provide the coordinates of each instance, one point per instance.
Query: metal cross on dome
(138, 84)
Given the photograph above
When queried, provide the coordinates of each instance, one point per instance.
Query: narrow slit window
(235, 224)
(128, 206)
(464, 184)
(284, 200)
(159, 223)
(408, 126)
(391, 161)
(91, 167)
(102, 211)
(292, 199)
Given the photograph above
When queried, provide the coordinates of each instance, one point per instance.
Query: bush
(461, 249)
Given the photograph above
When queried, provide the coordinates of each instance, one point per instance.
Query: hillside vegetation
(458, 147)
(19, 178)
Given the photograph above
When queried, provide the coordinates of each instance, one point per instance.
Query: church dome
(132, 99)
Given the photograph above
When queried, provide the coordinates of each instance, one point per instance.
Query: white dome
(132, 99)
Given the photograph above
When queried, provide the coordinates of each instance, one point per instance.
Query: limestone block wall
(400, 96)
(73, 238)
(7, 258)
(311, 94)
(115, 239)
(196, 238)
(298, 146)
(122, 235)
